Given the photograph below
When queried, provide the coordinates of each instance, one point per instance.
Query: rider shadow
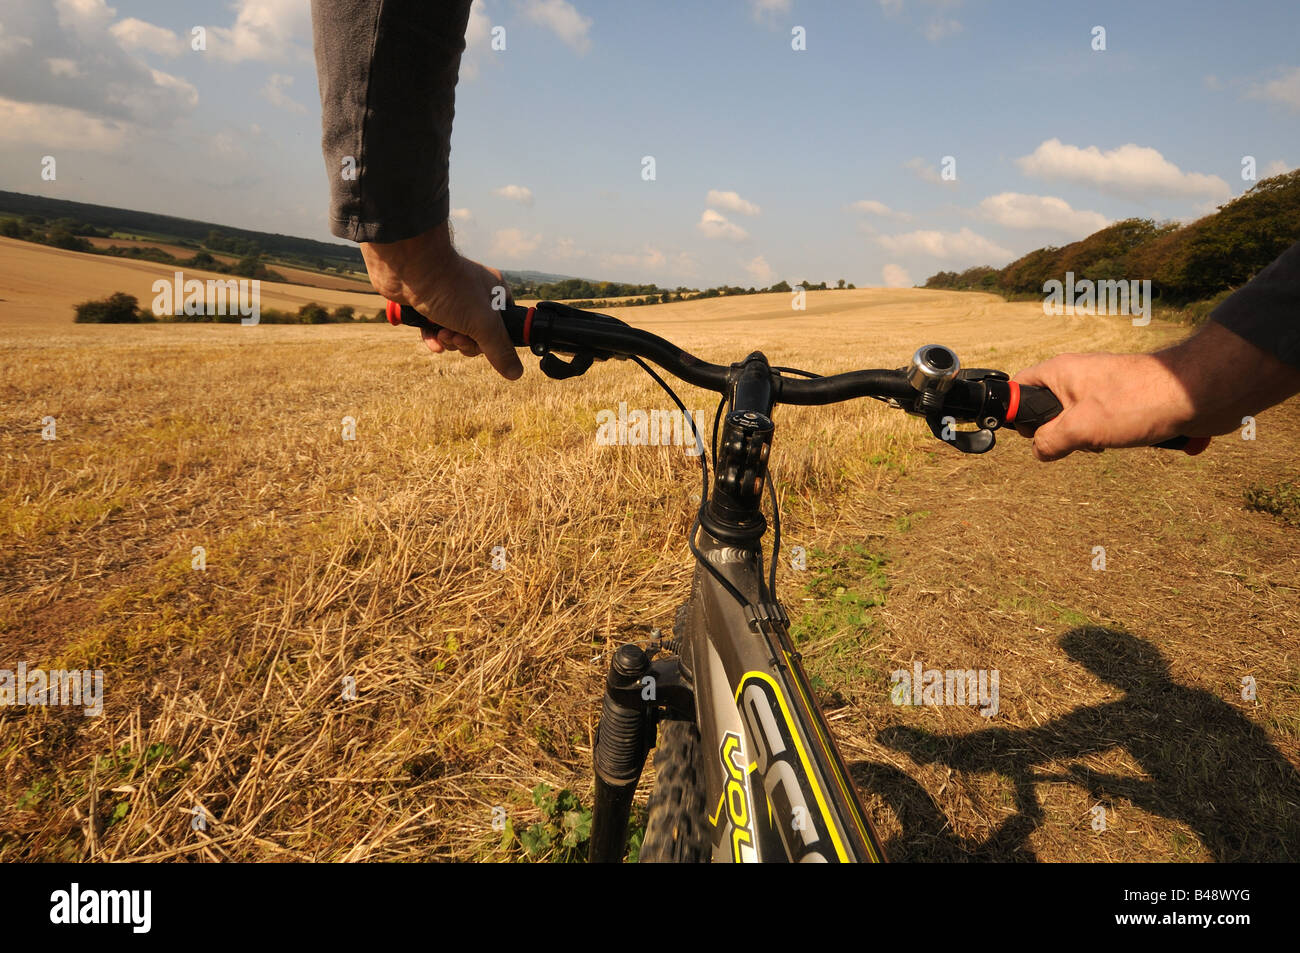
(1207, 765)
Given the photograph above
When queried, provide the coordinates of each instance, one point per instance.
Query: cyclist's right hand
(428, 274)
(1107, 400)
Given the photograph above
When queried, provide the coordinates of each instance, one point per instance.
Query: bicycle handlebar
(985, 396)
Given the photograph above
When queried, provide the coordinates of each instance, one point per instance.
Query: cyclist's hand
(429, 275)
(1107, 400)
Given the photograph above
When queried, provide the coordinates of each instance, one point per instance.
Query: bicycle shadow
(1205, 764)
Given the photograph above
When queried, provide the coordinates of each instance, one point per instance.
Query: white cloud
(1016, 210)
(133, 34)
(715, 225)
(514, 243)
(731, 202)
(896, 276)
(478, 32)
(271, 30)
(1200, 210)
(648, 257)
(516, 193)
(964, 245)
(1276, 167)
(768, 8)
(275, 93)
(63, 67)
(58, 127)
(926, 172)
(77, 63)
(760, 271)
(566, 249)
(936, 28)
(179, 88)
(12, 44)
(86, 18)
(891, 8)
(1285, 90)
(880, 209)
(461, 215)
(562, 19)
(1130, 170)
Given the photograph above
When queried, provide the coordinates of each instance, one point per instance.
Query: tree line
(123, 308)
(73, 235)
(571, 290)
(1186, 264)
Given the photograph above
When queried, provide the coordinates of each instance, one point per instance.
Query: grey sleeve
(1266, 310)
(387, 72)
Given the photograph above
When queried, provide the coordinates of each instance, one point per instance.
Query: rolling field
(40, 285)
(299, 276)
(372, 559)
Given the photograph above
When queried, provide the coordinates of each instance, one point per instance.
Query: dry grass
(372, 559)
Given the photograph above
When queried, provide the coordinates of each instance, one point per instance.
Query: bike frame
(777, 788)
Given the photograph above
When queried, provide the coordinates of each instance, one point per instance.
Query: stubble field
(372, 559)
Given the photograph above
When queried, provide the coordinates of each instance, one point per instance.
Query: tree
(118, 308)
(312, 313)
(344, 312)
(62, 238)
(840, 283)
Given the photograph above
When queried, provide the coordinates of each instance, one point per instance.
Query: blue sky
(770, 162)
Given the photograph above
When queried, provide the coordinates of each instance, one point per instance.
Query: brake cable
(766, 592)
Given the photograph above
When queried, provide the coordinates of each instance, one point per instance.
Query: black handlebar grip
(515, 317)
(1038, 405)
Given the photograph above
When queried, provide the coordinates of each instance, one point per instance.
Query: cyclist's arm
(387, 71)
(1266, 311)
(1245, 359)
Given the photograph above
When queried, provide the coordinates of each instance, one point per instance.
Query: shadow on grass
(1205, 764)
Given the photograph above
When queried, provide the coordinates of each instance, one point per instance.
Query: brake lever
(944, 426)
(557, 369)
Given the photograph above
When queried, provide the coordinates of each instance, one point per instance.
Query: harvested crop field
(372, 559)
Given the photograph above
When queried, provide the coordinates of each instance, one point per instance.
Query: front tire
(676, 829)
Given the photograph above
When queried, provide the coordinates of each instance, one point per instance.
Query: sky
(688, 143)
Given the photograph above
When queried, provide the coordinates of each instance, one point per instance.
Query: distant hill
(157, 226)
(534, 277)
(186, 230)
(1186, 264)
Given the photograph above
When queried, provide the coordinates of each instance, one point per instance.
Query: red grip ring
(1013, 400)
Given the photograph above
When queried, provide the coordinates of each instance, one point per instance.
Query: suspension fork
(639, 693)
